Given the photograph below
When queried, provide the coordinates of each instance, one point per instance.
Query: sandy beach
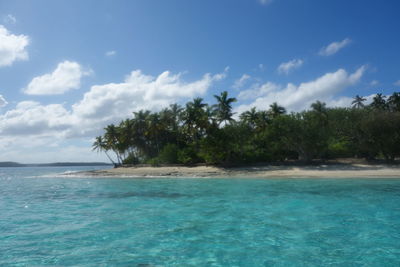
(351, 170)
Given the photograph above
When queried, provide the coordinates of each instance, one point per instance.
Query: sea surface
(49, 220)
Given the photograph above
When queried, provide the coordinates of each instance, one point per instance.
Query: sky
(69, 67)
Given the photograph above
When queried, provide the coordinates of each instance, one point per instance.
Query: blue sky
(68, 68)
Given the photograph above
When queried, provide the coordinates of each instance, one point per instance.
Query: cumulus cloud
(299, 97)
(32, 118)
(101, 105)
(12, 47)
(67, 76)
(241, 81)
(112, 102)
(258, 90)
(287, 67)
(3, 102)
(334, 47)
(110, 53)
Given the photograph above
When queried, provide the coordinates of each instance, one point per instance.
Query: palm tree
(262, 120)
(99, 145)
(113, 141)
(358, 102)
(223, 108)
(154, 129)
(394, 102)
(140, 128)
(126, 131)
(276, 110)
(194, 113)
(175, 111)
(250, 117)
(319, 107)
(379, 102)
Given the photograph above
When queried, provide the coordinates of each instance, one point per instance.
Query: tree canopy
(203, 133)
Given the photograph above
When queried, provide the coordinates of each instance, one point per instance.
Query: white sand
(318, 171)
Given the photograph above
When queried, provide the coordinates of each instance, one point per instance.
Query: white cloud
(3, 102)
(241, 81)
(110, 53)
(397, 83)
(258, 90)
(33, 132)
(112, 102)
(334, 47)
(296, 98)
(287, 67)
(265, 2)
(12, 47)
(101, 105)
(65, 77)
(32, 118)
(10, 19)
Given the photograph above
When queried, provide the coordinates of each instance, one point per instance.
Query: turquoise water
(53, 221)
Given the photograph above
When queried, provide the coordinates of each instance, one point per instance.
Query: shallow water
(48, 220)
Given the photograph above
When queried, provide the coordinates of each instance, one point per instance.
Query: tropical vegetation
(202, 133)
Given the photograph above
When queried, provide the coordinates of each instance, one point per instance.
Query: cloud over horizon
(102, 104)
(296, 98)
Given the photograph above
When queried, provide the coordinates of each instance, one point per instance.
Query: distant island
(211, 134)
(56, 164)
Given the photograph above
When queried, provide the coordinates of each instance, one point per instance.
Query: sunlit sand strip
(320, 171)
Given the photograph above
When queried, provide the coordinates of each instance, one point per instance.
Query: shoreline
(265, 171)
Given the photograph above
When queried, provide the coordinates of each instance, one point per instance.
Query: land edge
(6, 164)
(320, 170)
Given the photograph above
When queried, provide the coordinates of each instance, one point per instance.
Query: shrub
(169, 154)
(131, 159)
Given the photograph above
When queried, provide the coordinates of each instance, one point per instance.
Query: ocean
(47, 219)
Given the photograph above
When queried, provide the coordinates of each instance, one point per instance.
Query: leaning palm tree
(358, 102)
(99, 145)
(112, 138)
(223, 108)
(276, 110)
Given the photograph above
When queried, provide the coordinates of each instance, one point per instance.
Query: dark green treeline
(203, 133)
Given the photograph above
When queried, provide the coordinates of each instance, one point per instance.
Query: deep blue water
(53, 221)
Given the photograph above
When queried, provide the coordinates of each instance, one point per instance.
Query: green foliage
(154, 162)
(203, 133)
(339, 149)
(131, 159)
(169, 154)
(187, 156)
